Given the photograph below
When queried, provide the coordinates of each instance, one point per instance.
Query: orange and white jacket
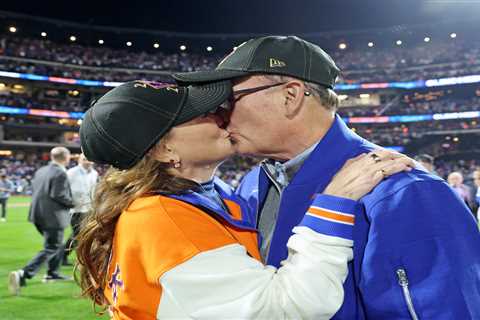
(184, 257)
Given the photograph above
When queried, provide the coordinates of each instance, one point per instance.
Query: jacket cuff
(332, 216)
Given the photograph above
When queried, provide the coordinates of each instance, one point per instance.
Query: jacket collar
(339, 144)
(226, 193)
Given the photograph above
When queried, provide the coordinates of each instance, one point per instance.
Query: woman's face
(201, 141)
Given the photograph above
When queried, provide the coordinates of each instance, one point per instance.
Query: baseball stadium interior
(413, 88)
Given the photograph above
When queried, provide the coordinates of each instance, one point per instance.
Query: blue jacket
(416, 244)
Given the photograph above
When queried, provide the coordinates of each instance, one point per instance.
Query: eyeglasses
(237, 95)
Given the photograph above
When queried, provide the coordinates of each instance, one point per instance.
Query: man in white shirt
(83, 179)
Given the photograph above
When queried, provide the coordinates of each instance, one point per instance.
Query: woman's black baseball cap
(127, 121)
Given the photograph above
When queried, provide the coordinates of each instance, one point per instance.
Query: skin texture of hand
(361, 174)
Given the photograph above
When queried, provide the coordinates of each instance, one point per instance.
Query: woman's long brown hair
(113, 194)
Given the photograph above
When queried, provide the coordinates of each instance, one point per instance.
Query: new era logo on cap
(275, 63)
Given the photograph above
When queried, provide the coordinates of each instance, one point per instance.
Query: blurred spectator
(6, 187)
(49, 213)
(476, 181)
(455, 180)
(83, 178)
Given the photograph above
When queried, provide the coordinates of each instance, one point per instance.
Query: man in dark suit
(49, 212)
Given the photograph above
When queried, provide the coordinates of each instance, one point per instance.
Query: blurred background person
(476, 181)
(82, 178)
(455, 180)
(6, 187)
(49, 212)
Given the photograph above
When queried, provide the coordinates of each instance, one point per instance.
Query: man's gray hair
(328, 98)
(59, 154)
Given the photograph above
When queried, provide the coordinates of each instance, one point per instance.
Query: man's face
(455, 179)
(476, 178)
(87, 165)
(256, 120)
(68, 156)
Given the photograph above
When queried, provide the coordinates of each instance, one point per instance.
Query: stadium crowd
(429, 60)
(62, 99)
(412, 108)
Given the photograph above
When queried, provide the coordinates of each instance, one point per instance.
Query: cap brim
(208, 76)
(202, 99)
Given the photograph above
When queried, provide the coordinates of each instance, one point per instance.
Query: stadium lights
(209, 49)
(43, 34)
(12, 29)
(342, 46)
(399, 42)
(183, 47)
(156, 45)
(426, 39)
(101, 41)
(456, 139)
(371, 44)
(453, 35)
(129, 43)
(73, 38)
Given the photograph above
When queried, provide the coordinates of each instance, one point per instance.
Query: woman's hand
(361, 174)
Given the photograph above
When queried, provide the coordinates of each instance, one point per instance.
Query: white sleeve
(226, 283)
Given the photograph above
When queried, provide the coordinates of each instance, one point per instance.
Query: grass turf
(19, 242)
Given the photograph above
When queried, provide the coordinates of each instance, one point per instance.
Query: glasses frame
(239, 94)
(244, 92)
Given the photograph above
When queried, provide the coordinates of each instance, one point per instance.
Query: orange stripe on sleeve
(322, 213)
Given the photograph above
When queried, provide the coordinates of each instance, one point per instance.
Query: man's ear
(293, 95)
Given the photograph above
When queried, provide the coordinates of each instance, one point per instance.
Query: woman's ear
(164, 152)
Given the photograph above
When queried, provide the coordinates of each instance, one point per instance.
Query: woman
(166, 241)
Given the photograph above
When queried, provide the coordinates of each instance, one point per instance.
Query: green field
(19, 242)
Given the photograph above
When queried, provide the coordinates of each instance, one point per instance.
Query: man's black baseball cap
(289, 56)
(128, 120)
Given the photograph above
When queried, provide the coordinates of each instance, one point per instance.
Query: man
(49, 212)
(476, 181)
(82, 179)
(6, 187)
(417, 249)
(455, 180)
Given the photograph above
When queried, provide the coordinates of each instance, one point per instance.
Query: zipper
(403, 282)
